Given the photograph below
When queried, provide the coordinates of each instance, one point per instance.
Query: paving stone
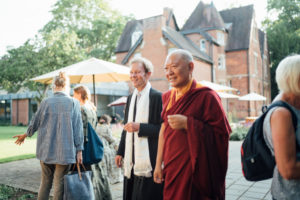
(235, 192)
(254, 195)
(239, 187)
(25, 174)
(231, 197)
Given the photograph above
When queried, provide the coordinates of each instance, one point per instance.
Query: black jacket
(151, 129)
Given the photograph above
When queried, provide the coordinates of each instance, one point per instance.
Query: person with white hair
(60, 137)
(280, 134)
(138, 145)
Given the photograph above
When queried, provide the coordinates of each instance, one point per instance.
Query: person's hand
(20, 139)
(177, 121)
(79, 157)
(158, 174)
(132, 127)
(118, 160)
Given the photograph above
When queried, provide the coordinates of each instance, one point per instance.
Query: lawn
(9, 150)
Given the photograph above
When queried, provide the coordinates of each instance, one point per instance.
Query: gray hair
(145, 62)
(184, 54)
(288, 74)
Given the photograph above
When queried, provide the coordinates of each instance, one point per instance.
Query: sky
(21, 20)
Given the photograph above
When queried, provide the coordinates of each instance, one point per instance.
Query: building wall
(120, 57)
(20, 111)
(244, 70)
(255, 70)
(202, 70)
(237, 74)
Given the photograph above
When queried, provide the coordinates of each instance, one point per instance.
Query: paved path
(25, 174)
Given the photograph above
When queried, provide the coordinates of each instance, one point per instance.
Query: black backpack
(257, 160)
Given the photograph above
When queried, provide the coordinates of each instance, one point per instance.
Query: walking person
(110, 145)
(138, 145)
(99, 173)
(280, 134)
(193, 142)
(60, 137)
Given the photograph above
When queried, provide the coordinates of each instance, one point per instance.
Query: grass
(12, 152)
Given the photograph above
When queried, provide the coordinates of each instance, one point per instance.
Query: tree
(96, 25)
(283, 34)
(79, 29)
(17, 66)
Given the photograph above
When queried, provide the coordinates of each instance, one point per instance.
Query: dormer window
(135, 36)
(203, 45)
(220, 38)
(221, 62)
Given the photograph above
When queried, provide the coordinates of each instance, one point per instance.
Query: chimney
(167, 12)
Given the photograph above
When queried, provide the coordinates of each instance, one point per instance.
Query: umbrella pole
(94, 90)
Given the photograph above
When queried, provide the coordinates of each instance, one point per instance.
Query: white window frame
(135, 36)
(221, 62)
(203, 45)
(221, 38)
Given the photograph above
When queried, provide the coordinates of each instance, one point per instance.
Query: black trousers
(141, 188)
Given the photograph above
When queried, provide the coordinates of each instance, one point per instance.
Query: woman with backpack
(281, 136)
(88, 112)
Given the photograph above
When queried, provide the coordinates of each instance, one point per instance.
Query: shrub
(239, 133)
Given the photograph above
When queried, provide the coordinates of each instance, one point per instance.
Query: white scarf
(142, 165)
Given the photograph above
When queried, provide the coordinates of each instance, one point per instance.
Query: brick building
(227, 47)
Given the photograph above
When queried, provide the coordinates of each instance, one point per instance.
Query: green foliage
(7, 192)
(79, 29)
(283, 33)
(239, 133)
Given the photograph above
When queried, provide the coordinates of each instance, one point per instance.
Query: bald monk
(193, 140)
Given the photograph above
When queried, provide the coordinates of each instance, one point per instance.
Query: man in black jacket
(139, 140)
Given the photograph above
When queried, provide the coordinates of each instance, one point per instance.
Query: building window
(5, 111)
(135, 36)
(221, 62)
(220, 38)
(203, 45)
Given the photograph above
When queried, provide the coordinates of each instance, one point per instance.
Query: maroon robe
(195, 161)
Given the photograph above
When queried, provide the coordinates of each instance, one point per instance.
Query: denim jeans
(52, 173)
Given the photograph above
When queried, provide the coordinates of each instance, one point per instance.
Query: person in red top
(193, 142)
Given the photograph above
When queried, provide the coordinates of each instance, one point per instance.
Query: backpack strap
(287, 106)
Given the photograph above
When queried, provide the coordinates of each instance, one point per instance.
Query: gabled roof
(206, 35)
(261, 37)
(172, 16)
(204, 16)
(239, 34)
(124, 43)
(183, 43)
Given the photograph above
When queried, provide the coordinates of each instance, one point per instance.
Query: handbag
(93, 147)
(78, 185)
